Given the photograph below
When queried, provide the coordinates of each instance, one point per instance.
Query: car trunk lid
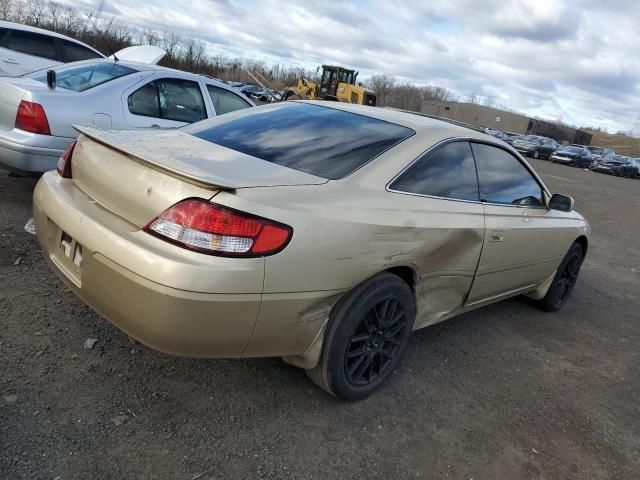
(150, 54)
(140, 173)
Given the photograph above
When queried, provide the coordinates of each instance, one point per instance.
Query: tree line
(107, 35)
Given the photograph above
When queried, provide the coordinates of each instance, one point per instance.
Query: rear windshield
(318, 140)
(85, 76)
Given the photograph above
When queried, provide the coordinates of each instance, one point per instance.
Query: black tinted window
(72, 52)
(181, 100)
(318, 140)
(144, 101)
(32, 44)
(503, 179)
(225, 101)
(169, 98)
(448, 172)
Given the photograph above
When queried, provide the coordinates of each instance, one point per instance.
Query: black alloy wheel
(366, 336)
(564, 280)
(375, 342)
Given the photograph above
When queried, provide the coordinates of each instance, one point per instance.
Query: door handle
(496, 235)
(9, 60)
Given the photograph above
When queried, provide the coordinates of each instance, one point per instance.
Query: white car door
(164, 101)
(23, 52)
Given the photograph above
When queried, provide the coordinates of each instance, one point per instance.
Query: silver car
(37, 111)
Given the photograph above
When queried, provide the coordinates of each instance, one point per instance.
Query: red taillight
(202, 226)
(64, 162)
(31, 118)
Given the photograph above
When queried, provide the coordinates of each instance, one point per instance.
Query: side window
(180, 100)
(503, 179)
(72, 52)
(169, 98)
(32, 44)
(144, 101)
(225, 101)
(448, 172)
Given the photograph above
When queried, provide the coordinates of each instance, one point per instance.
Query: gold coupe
(323, 233)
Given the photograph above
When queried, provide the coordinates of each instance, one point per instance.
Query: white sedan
(37, 111)
(25, 49)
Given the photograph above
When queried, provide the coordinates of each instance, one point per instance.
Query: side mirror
(562, 203)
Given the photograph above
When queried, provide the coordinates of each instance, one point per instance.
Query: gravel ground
(505, 392)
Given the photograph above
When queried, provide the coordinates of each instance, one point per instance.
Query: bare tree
(35, 11)
(382, 85)
(55, 11)
(6, 8)
(70, 20)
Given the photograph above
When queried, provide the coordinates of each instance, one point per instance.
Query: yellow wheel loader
(336, 84)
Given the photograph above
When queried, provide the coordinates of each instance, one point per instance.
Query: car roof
(42, 31)
(413, 120)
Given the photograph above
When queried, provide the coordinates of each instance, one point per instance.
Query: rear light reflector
(208, 228)
(64, 162)
(31, 118)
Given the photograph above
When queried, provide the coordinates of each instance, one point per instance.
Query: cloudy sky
(578, 61)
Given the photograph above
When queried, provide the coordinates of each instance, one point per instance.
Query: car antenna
(90, 16)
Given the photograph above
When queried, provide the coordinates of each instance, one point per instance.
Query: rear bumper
(172, 300)
(20, 157)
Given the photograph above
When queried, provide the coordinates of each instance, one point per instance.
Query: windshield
(531, 138)
(322, 141)
(597, 150)
(81, 77)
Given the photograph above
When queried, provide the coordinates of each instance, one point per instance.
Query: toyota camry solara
(323, 233)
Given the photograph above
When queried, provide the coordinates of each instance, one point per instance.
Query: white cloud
(577, 60)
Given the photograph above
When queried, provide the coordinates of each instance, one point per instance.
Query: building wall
(478, 115)
(489, 117)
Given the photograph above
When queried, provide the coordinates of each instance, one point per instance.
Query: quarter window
(504, 179)
(72, 52)
(448, 172)
(31, 44)
(225, 101)
(169, 98)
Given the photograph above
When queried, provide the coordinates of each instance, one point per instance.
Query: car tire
(536, 154)
(564, 280)
(366, 336)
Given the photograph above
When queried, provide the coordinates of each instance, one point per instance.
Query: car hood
(141, 53)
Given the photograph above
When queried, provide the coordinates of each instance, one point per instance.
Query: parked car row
(597, 159)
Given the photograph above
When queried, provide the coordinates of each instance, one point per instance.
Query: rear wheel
(366, 336)
(564, 280)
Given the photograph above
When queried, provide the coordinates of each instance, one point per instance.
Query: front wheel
(536, 154)
(564, 280)
(367, 334)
